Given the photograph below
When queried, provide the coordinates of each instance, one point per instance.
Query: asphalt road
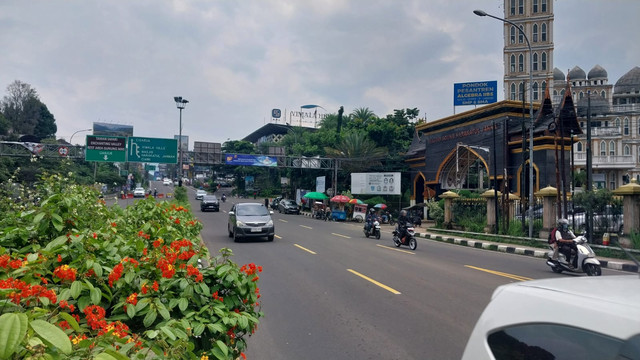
(330, 293)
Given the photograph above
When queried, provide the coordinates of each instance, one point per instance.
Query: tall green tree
(25, 113)
(356, 152)
(362, 115)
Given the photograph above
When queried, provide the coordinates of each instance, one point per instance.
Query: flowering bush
(79, 279)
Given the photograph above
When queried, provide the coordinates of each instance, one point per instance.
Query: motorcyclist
(371, 217)
(402, 224)
(155, 192)
(224, 197)
(565, 237)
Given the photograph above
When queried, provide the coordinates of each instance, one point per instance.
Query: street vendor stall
(359, 212)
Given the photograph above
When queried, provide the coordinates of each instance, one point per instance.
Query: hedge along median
(79, 279)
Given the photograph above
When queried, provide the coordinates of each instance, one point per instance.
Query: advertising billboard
(475, 93)
(375, 183)
(320, 183)
(250, 160)
(107, 129)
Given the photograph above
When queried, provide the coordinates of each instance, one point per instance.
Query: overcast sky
(124, 61)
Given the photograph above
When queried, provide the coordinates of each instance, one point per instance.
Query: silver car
(247, 220)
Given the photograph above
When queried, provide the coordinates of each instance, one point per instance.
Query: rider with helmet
(564, 238)
(402, 224)
(371, 217)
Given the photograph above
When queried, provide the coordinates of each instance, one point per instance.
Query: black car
(209, 202)
(288, 207)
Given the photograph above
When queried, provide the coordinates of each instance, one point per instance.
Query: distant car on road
(139, 192)
(200, 194)
(209, 202)
(166, 182)
(569, 318)
(250, 220)
(288, 207)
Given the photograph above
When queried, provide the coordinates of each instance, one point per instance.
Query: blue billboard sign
(250, 160)
(475, 93)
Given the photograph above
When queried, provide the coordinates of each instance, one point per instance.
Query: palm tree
(362, 115)
(356, 152)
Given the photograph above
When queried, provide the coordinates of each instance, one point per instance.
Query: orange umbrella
(340, 199)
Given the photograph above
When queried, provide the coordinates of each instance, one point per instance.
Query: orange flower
(133, 299)
(155, 286)
(65, 272)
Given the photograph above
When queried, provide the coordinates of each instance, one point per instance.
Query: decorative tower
(535, 17)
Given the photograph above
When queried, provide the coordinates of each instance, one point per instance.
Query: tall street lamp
(180, 103)
(482, 13)
(72, 135)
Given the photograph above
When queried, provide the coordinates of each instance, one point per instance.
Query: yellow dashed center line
(279, 237)
(305, 249)
(400, 250)
(344, 236)
(375, 282)
(507, 275)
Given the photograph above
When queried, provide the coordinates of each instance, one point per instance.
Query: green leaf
(13, 327)
(215, 328)
(198, 329)
(243, 322)
(97, 269)
(32, 257)
(150, 317)
(64, 294)
(223, 347)
(168, 332)
(151, 334)
(223, 269)
(71, 320)
(183, 304)
(38, 218)
(55, 218)
(83, 302)
(59, 241)
(205, 288)
(104, 356)
(142, 304)
(163, 311)
(96, 295)
(128, 277)
(131, 311)
(76, 289)
(180, 334)
(52, 334)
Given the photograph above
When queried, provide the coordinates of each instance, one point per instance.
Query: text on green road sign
(152, 150)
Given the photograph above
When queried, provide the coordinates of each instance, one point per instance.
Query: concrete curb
(486, 245)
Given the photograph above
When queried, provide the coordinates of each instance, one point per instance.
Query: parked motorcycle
(387, 219)
(586, 262)
(372, 230)
(409, 240)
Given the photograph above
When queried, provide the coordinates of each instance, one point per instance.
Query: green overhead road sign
(152, 150)
(106, 148)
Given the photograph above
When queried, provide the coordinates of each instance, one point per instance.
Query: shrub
(180, 194)
(80, 280)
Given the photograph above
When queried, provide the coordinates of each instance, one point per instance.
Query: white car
(200, 194)
(139, 192)
(568, 318)
(166, 182)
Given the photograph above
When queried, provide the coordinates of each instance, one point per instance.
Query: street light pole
(482, 13)
(180, 103)
(72, 135)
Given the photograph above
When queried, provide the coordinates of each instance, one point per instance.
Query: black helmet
(403, 213)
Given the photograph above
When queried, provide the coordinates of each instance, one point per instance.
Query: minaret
(535, 17)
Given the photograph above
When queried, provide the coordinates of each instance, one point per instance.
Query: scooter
(224, 198)
(585, 263)
(373, 230)
(409, 240)
(387, 219)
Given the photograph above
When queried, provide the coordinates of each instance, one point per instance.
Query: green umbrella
(315, 195)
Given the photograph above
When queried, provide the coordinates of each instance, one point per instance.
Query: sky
(123, 62)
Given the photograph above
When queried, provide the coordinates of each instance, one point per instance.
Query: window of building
(512, 63)
(535, 32)
(544, 6)
(513, 7)
(612, 148)
(521, 91)
(618, 123)
(544, 61)
(627, 150)
(535, 91)
(535, 6)
(523, 341)
(521, 35)
(544, 32)
(544, 88)
(603, 94)
(606, 123)
(582, 124)
(579, 146)
(626, 126)
(513, 34)
(521, 63)
(535, 61)
(603, 148)
(520, 7)
(581, 95)
(513, 91)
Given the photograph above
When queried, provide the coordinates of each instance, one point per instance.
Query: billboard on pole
(475, 93)
(375, 183)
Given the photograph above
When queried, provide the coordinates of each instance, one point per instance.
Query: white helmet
(563, 222)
